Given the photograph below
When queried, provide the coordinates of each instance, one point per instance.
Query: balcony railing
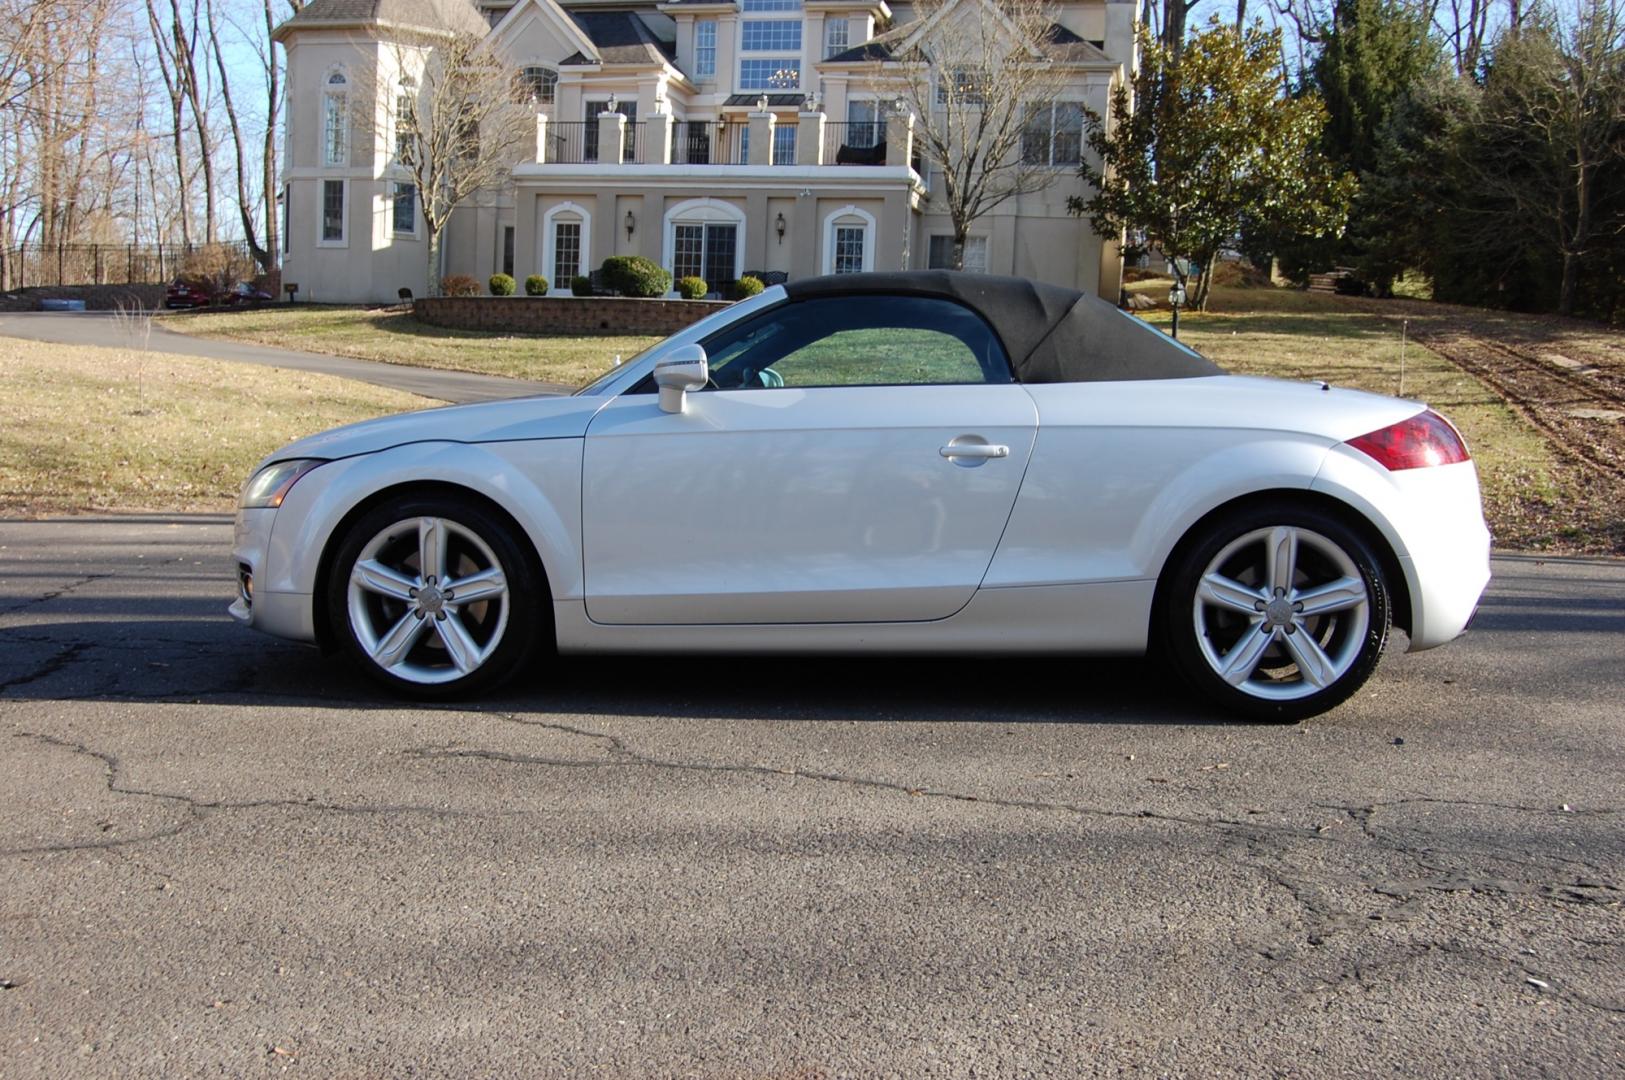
(707, 142)
(857, 142)
(724, 142)
(567, 142)
(575, 142)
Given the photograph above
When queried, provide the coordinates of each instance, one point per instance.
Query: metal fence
(575, 142)
(116, 264)
(708, 142)
(859, 142)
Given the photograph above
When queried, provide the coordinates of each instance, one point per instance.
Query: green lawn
(395, 337)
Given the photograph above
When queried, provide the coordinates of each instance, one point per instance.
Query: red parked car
(187, 294)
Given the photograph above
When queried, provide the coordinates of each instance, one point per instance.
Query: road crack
(198, 809)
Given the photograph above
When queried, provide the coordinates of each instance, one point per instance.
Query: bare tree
(264, 253)
(444, 113)
(973, 72)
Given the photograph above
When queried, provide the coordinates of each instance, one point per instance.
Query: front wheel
(434, 597)
(1277, 612)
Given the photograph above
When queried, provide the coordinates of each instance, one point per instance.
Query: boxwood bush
(692, 288)
(749, 286)
(536, 285)
(501, 285)
(633, 275)
(581, 285)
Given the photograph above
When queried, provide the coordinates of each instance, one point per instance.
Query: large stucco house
(753, 135)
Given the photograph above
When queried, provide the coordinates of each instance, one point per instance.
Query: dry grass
(1292, 334)
(395, 337)
(117, 429)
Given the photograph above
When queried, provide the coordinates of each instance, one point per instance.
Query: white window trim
(706, 211)
(533, 62)
(416, 232)
(342, 95)
(830, 21)
(562, 288)
(711, 76)
(1083, 127)
(843, 216)
(321, 213)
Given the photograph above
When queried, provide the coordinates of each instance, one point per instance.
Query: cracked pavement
(224, 854)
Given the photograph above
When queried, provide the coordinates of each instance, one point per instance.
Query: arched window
(566, 243)
(335, 120)
(406, 120)
(849, 241)
(537, 84)
(705, 238)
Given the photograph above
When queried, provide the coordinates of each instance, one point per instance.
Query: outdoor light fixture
(631, 224)
(1176, 300)
(779, 225)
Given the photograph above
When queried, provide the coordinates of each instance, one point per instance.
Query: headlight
(271, 484)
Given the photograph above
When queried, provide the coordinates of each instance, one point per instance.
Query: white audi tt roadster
(922, 463)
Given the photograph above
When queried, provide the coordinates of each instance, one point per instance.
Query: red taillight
(1424, 440)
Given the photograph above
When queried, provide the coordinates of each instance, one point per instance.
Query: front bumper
(283, 614)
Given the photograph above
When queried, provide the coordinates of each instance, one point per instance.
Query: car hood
(487, 421)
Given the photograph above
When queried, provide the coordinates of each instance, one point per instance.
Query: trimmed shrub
(459, 285)
(536, 285)
(692, 288)
(581, 285)
(749, 286)
(633, 275)
(502, 285)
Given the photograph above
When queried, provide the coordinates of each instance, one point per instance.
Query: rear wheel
(434, 597)
(1279, 612)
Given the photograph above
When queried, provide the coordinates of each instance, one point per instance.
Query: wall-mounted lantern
(631, 224)
(779, 225)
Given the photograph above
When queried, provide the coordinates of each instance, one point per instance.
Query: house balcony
(757, 140)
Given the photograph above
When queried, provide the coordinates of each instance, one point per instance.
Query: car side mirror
(683, 369)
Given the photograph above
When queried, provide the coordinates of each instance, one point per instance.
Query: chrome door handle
(974, 450)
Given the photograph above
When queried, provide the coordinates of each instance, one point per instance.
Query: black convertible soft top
(1051, 334)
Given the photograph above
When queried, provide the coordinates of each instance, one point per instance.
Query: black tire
(501, 631)
(1330, 563)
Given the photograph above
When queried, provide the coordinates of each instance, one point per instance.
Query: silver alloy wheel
(428, 600)
(1281, 613)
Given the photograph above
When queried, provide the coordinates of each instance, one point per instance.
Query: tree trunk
(245, 205)
(433, 287)
(1199, 301)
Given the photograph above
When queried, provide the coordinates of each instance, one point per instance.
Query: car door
(855, 460)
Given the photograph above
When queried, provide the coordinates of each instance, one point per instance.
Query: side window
(858, 341)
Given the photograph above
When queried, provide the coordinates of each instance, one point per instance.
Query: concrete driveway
(226, 855)
(106, 329)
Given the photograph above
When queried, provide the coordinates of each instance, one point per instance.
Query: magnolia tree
(969, 71)
(1206, 145)
(446, 116)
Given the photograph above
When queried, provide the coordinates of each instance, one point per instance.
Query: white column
(810, 139)
(761, 138)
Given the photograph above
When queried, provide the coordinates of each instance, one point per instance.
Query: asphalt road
(224, 855)
(105, 329)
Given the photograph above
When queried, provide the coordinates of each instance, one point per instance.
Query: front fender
(537, 482)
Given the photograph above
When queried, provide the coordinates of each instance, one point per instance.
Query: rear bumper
(1434, 521)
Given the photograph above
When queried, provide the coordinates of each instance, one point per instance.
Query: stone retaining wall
(562, 314)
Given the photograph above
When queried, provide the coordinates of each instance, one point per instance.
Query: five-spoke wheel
(1277, 612)
(433, 595)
